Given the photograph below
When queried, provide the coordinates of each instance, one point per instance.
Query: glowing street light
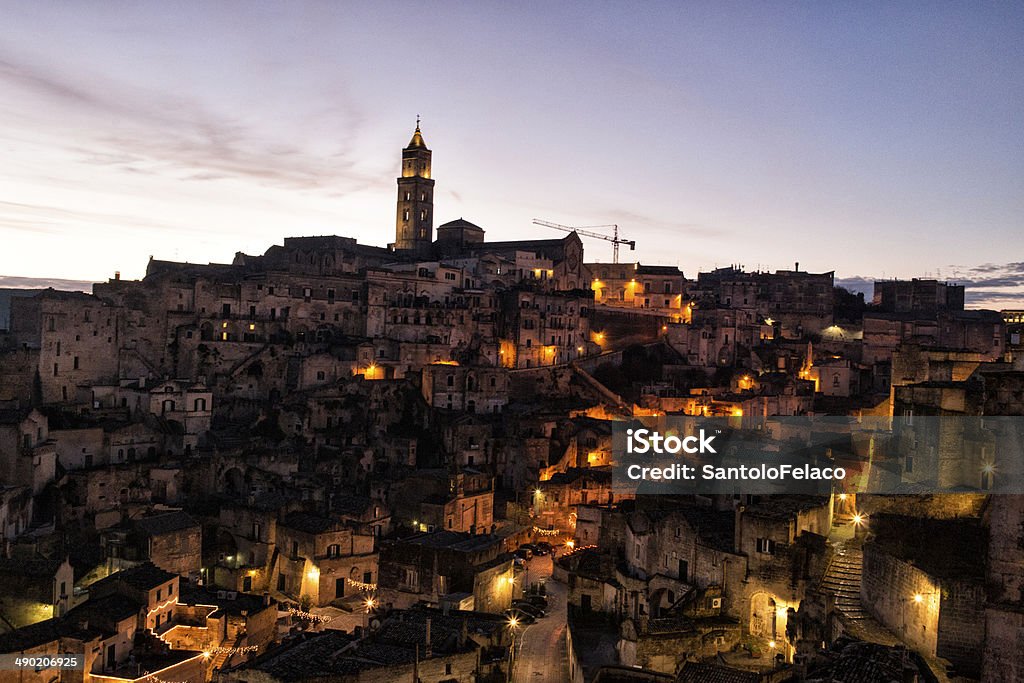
(858, 519)
(513, 623)
(570, 544)
(918, 598)
(370, 604)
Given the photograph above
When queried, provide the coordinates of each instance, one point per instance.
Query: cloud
(626, 219)
(19, 282)
(39, 218)
(143, 131)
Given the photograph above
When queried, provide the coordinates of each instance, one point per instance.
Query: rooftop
(164, 523)
(453, 540)
(143, 577)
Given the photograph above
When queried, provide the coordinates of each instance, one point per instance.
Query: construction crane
(613, 238)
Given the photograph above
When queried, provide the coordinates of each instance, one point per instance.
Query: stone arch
(762, 616)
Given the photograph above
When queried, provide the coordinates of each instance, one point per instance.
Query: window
(333, 550)
(170, 589)
(405, 214)
(766, 546)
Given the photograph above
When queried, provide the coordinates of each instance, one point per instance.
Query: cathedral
(461, 239)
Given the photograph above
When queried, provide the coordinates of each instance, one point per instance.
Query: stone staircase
(842, 580)
(224, 653)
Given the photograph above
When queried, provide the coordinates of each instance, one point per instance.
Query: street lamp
(513, 625)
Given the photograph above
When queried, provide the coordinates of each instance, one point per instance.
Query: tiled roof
(714, 673)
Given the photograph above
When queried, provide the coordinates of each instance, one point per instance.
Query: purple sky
(873, 139)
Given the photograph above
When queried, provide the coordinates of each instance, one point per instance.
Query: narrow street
(540, 648)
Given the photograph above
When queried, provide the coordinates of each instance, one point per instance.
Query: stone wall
(888, 587)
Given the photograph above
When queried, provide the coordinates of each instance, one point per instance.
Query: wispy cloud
(144, 131)
(19, 282)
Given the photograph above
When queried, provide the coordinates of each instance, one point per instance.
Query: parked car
(521, 616)
(523, 553)
(545, 548)
(532, 610)
(537, 600)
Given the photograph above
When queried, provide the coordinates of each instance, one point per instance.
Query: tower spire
(417, 137)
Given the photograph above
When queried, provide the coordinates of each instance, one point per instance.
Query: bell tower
(414, 226)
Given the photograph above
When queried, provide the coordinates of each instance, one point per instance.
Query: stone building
(472, 389)
(171, 540)
(322, 558)
(434, 565)
(918, 296)
(28, 456)
(662, 288)
(33, 589)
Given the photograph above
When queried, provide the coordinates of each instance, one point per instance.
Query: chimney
(796, 266)
(464, 633)
(117, 274)
(426, 651)
(266, 599)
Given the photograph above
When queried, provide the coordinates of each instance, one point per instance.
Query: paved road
(540, 648)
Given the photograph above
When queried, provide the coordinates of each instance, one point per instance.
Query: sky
(877, 140)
